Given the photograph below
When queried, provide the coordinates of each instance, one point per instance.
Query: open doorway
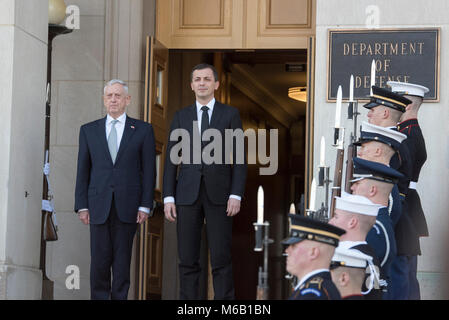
(257, 83)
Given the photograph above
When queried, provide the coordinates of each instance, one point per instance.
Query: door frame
(143, 249)
(150, 233)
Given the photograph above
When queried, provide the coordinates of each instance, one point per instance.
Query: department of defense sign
(406, 55)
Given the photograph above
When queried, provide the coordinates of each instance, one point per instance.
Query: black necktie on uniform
(204, 123)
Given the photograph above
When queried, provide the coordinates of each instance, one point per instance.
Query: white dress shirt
(120, 128)
(199, 114)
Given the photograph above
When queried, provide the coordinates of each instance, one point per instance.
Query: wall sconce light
(56, 11)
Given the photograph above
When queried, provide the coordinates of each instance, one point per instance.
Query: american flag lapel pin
(132, 127)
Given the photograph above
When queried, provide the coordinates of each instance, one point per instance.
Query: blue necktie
(112, 141)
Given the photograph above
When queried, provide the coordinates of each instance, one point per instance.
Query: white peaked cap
(410, 89)
(357, 204)
(384, 131)
(349, 257)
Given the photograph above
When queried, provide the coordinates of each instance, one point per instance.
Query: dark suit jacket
(220, 180)
(131, 179)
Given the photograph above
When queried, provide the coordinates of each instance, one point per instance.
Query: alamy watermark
(72, 20)
(72, 282)
(372, 17)
(234, 147)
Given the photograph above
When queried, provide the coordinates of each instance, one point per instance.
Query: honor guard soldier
(311, 246)
(386, 109)
(417, 148)
(348, 272)
(379, 144)
(357, 215)
(375, 181)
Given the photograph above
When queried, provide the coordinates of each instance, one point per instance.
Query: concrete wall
(433, 185)
(109, 44)
(23, 60)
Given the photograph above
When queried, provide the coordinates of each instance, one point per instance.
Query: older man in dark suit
(203, 190)
(114, 189)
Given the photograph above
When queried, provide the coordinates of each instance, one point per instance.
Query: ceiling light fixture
(298, 93)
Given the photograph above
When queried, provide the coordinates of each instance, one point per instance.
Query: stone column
(23, 70)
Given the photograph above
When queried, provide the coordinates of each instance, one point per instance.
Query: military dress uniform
(417, 148)
(404, 266)
(405, 231)
(381, 237)
(407, 239)
(403, 270)
(394, 139)
(401, 160)
(316, 285)
(409, 248)
(374, 281)
(395, 205)
(407, 235)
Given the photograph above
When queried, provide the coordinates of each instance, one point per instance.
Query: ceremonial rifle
(339, 135)
(349, 167)
(336, 188)
(352, 149)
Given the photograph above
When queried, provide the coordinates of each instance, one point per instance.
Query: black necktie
(204, 122)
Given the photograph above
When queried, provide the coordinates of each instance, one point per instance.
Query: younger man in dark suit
(203, 190)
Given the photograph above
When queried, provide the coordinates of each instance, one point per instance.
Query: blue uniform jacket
(382, 239)
(395, 205)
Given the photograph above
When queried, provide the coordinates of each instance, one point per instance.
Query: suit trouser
(219, 237)
(111, 246)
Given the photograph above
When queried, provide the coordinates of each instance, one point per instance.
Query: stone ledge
(20, 282)
(434, 285)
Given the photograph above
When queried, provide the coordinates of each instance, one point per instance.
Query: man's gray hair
(114, 81)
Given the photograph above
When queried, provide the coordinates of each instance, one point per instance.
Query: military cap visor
(365, 169)
(387, 98)
(358, 177)
(302, 228)
(371, 132)
(368, 137)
